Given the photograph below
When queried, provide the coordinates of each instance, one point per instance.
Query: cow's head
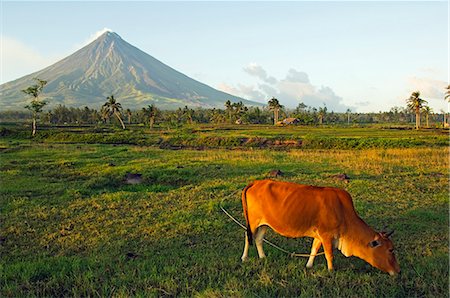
(381, 253)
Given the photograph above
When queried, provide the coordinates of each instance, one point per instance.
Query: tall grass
(72, 226)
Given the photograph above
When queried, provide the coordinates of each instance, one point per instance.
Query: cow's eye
(391, 250)
(374, 243)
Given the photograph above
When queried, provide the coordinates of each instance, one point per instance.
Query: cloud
(362, 103)
(297, 76)
(433, 71)
(429, 88)
(251, 91)
(295, 92)
(290, 91)
(19, 59)
(256, 70)
(92, 37)
(246, 91)
(227, 88)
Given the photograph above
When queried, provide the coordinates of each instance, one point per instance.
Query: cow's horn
(384, 229)
(390, 233)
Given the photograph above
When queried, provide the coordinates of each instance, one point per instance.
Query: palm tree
(189, 113)
(48, 117)
(239, 109)
(104, 115)
(348, 116)
(36, 105)
(112, 107)
(321, 114)
(229, 109)
(275, 106)
(216, 116)
(415, 103)
(447, 98)
(178, 115)
(152, 112)
(129, 115)
(427, 111)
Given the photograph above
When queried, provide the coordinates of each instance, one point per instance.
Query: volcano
(111, 66)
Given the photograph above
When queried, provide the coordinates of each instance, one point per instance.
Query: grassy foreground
(70, 225)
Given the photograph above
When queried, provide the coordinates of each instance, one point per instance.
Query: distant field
(70, 225)
(238, 136)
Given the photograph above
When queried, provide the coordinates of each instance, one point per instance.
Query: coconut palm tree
(348, 116)
(427, 111)
(239, 109)
(275, 106)
(128, 111)
(229, 109)
(36, 105)
(189, 114)
(216, 116)
(112, 107)
(447, 98)
(152, 112)
(104, 115)
(322, 113)
(415, 103)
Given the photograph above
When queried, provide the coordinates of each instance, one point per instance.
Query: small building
(289, 121)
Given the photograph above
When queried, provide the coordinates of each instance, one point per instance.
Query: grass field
(70, 225)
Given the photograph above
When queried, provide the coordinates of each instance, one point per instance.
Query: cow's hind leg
(259, 237)
(328, 248)
(314, 249)
(246, 245)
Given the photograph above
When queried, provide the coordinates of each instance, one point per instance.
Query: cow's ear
(374, 243)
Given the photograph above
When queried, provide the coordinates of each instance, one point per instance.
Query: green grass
(238, 136)
(71, 226)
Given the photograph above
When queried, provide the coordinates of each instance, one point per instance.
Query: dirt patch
(131, 178)
(341, 177)
(274, 174)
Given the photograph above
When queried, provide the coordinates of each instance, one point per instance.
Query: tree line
(233, 113)
(151, 116)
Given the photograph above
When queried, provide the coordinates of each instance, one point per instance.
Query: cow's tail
(245, 208)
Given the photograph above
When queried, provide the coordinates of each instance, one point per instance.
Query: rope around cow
(292, 254)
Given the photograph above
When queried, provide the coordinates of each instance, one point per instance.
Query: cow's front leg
(259, 237)
(246, 245)
(314, 249)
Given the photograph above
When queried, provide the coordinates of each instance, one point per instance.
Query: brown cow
(324, 213)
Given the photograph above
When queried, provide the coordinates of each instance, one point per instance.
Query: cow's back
(296, 210)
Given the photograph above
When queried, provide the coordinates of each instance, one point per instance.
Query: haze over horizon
(366, 56)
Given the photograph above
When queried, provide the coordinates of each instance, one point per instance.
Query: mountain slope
(111, 66)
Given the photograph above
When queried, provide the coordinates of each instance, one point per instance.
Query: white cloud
(246, 91)
(93, 37)
(297, 76)
(432, 90)
(362, 103)
(433, 71)
(256, 70)
(228, 89)
(290, 91)
(19, 59)
(252, 92)
(429, 88)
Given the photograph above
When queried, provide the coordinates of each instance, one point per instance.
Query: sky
(366, 56)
